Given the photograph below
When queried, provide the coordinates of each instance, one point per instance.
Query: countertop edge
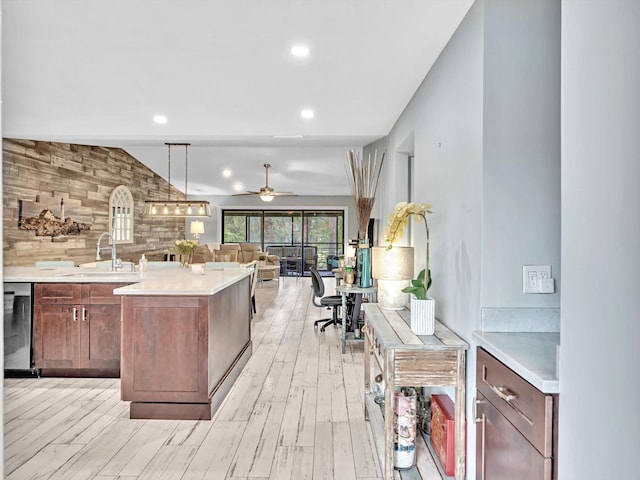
(534, 376)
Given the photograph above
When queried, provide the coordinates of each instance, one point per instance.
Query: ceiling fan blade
(283, 194)
(246, 193)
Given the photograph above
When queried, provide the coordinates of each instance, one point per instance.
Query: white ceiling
(96, 72)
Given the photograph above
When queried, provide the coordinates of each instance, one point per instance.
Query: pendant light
(178, 208)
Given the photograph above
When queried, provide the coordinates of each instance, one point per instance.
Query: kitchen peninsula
(184, 337)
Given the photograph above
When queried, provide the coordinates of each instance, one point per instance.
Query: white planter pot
(423, 316)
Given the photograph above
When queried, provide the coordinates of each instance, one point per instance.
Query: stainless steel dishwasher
(18, 329)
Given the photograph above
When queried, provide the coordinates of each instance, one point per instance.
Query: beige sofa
(242, 252)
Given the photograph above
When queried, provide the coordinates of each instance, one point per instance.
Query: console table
(406, 359)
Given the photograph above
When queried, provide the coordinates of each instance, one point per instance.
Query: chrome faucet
(114, 255)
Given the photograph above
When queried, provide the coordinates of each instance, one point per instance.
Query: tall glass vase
(364, 264)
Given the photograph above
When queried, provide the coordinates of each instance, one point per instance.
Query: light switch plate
(531, 276)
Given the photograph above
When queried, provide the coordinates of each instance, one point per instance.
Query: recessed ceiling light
(238, 187)
(226, 173)
(306, 113)
(299, 50)
(160, 119)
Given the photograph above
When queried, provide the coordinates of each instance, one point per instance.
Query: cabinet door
(56, 336)
(100, 336)
(502, 453)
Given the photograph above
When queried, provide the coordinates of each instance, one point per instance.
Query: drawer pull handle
(84, 314)
(75, 314)
(475, 410)
(504, 393)
(508, 396)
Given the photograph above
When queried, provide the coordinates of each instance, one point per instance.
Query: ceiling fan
(266, 193)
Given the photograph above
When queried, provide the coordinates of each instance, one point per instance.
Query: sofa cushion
(202, 254)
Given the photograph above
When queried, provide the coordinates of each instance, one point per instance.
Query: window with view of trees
(323, 229)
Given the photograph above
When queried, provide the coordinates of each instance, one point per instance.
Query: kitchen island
(184, 337)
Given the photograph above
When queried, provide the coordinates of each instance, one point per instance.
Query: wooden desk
(345, 290)
(406, 359)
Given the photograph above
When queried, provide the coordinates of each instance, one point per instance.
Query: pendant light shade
(178, 208)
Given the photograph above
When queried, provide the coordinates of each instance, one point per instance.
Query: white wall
(599, 382)
(521, 150)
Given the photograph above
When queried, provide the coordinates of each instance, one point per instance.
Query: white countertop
(532, 355)
(172, 281)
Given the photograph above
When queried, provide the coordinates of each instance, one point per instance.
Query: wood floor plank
(139, 450)
(298, 424)
(292, 463)
(265, 450)
(323, 405)
(92, 458)
(365, 460)
(213, 458)
(190, 432)
(44, 463)
(323, 452)
(343, 462)
(243, 459)
(339, 412)
(169, 463)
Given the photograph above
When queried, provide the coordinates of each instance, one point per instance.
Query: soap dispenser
(142, 264)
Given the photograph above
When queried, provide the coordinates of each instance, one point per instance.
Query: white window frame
(121, 215)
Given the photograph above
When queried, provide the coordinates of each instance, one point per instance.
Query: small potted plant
(422, 307)
(262, 258)
(186, 248)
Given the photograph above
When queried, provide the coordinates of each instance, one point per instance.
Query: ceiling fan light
(266, 198)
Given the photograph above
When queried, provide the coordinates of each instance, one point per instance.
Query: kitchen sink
(105, 274)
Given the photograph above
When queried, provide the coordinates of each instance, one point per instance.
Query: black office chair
(329, 301)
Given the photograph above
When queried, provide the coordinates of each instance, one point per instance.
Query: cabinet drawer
(526, 407)
(502, 453)
(57, 293)
(101, 293)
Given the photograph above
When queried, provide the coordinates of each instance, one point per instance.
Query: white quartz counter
(171, 281)
(532, 355)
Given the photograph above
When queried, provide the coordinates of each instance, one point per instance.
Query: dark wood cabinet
(516, 424)
(181, 354)
(77, 329)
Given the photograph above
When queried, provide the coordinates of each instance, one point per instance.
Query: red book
(443, 435)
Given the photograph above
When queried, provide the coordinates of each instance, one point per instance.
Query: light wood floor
(294, 413)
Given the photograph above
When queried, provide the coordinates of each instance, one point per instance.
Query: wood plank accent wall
(88, 174)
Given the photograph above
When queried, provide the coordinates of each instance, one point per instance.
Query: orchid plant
(398, 220)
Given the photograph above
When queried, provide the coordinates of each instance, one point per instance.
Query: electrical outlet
(532, 276)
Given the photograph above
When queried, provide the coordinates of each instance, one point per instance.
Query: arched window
(121, 214)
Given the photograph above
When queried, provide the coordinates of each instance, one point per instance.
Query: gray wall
(599, 382)
(485, 130)
(521, 149)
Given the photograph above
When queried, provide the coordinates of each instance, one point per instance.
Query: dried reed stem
(363, 178)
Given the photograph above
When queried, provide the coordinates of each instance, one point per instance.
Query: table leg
(344, 320)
